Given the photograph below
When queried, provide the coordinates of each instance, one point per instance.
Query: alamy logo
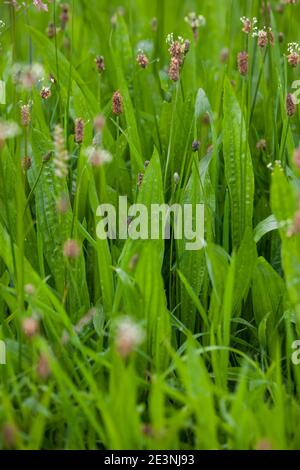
(296, 353)
(138, 222)
(2, 353)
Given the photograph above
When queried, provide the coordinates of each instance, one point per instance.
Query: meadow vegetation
(142, 344)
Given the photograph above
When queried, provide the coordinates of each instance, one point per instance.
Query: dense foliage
(142, 344)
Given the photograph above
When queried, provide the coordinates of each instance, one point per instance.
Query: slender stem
(257, 87)
(56, 56)
(77, 192)
(70, 76)
(33, 189)
(171, 135)
(283, 144)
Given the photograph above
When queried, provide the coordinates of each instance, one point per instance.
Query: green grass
(214, 369)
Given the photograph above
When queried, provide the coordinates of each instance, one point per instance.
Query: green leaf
(265, 226)
(238, 166)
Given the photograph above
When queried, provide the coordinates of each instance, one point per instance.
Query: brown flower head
(175, 50)
(45, 93)
(100, 64)
(174, 69)
(142, 60)
(249, 26)
(262, 40)
(26, 163)
(117, 103)
(195, 145)
(242, 60)
(293, 59)
(25, 115)
(64, 15)
(290, 105)
(140, 178)
(293, 55)
(246, 25)
(79, 130)
(187, 45)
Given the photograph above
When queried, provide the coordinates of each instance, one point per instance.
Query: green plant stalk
(171, 136)
(79, 176)
(56, 60)
(33, 189)
(257, 86)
